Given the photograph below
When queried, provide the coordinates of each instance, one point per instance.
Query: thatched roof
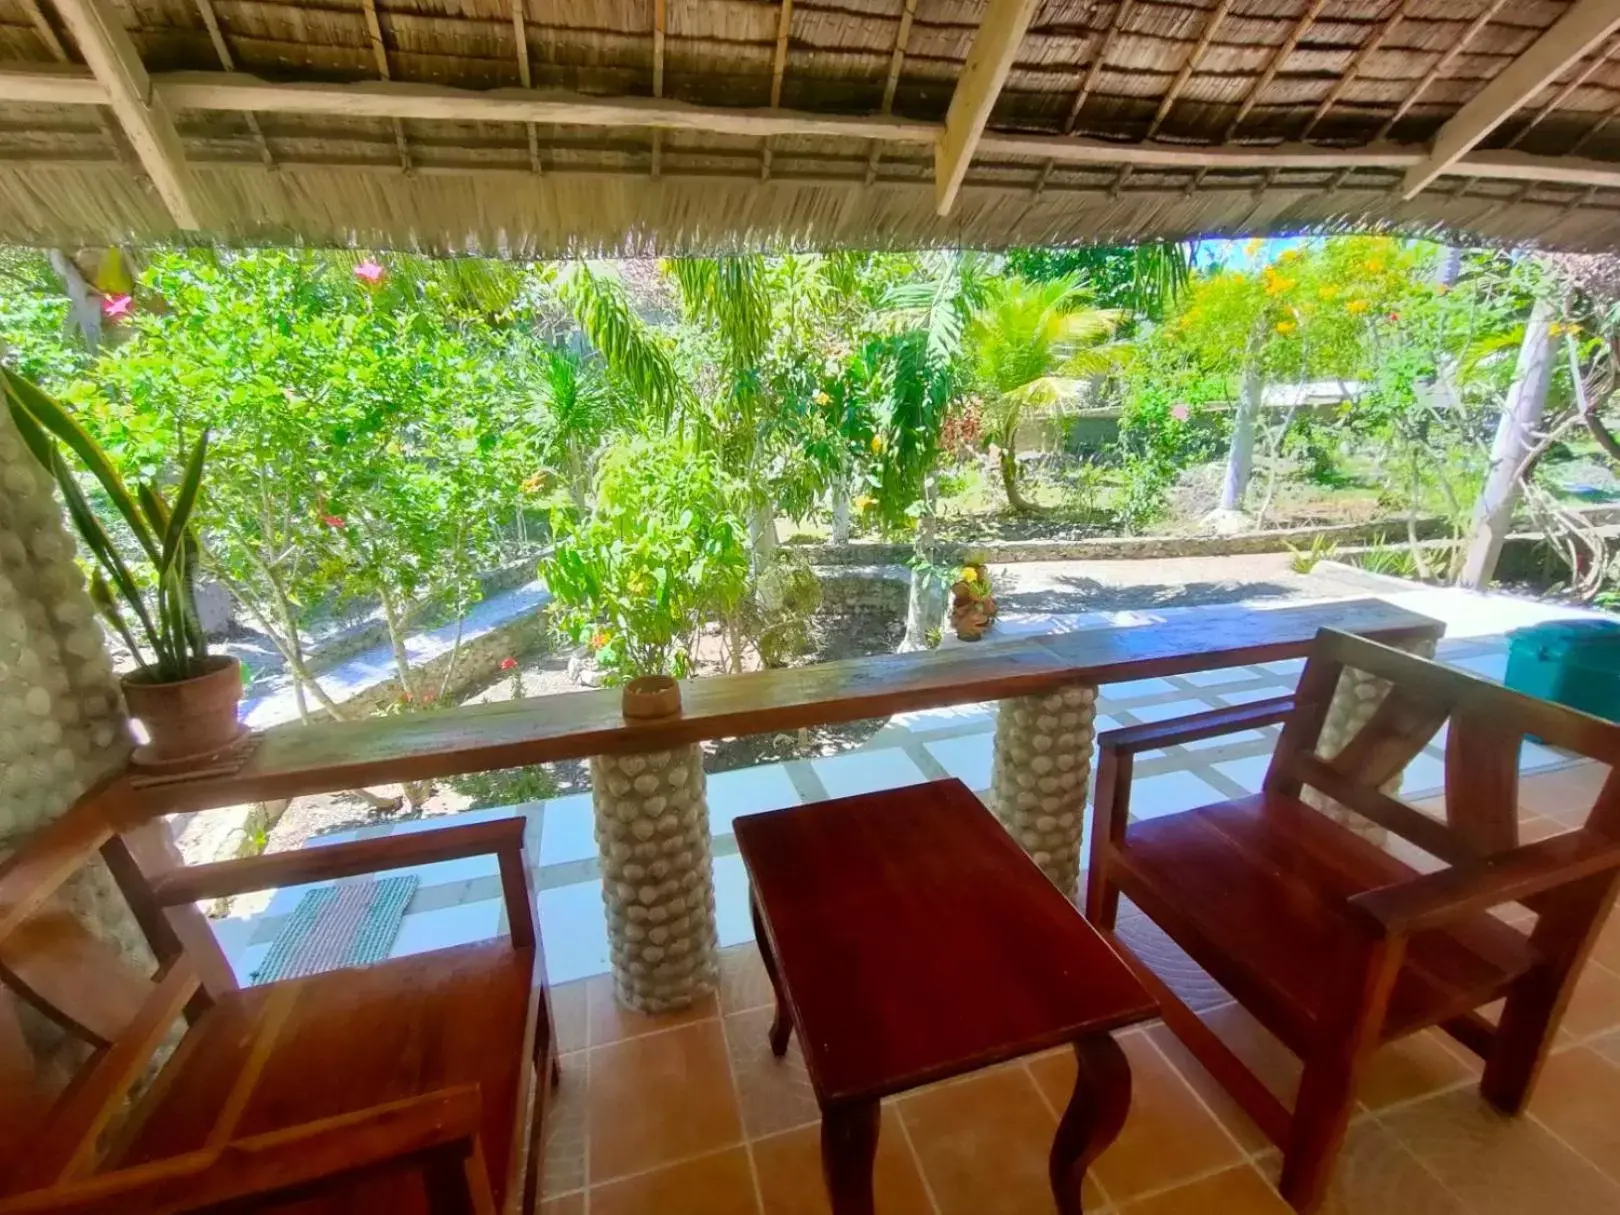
(575, 125)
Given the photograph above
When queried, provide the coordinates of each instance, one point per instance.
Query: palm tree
(1033, 345)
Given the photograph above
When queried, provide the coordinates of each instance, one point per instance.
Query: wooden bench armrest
(55, 852)
(1436, 899)
(430, 1128)
(224, 878)
(1131, 739)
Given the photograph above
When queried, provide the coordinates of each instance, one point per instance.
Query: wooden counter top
(325, 756)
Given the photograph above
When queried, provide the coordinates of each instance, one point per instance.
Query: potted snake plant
(185, 697)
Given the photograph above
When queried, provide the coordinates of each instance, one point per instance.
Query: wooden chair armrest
(1131, 739)
(287, 1162)
(1436, 899)
(224, 878)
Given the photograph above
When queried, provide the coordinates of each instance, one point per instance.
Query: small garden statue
(973, 607)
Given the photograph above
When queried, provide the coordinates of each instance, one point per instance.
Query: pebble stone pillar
(1354, 701)
(1041, 766)
(62, 723)
(652, 830)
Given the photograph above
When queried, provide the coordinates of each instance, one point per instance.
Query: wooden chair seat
(288, 1054)
(1257, 891)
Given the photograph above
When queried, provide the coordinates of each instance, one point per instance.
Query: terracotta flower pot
(188, 721)
(652, 696)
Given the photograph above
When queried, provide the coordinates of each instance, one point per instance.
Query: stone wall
(865, 590)
(1111, 548)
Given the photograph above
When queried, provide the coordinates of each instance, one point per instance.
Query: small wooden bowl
(652, 696)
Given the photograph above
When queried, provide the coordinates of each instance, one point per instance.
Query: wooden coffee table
(909, 939)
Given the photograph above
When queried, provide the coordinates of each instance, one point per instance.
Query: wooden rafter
(660, 20)
(1573, 36)
(989, 60)
(1275, 65)
(47, 33)
(897, 61)
(1595, 130)
(1358, 61)
(1439, 66)
(379, 53)
(520, 38)
(127, 89)
(1122, 14)
(216, 35)
(1189, 66)
(784, 25)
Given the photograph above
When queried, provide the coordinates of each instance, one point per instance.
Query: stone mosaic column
(62, 724)
(1354, 701)
(652, 829)
(1041, 767)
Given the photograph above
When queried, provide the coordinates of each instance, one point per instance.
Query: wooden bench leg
(782, 1023)
(849, 1137)
(1093, 1119)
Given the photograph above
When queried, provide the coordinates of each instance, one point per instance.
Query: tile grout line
(742, 1122)
(911, 1150)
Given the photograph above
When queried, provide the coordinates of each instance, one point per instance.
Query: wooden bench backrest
(54, 963)
(1488, 726)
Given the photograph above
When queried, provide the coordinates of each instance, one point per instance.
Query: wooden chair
(1334, 944)
(399, 1087)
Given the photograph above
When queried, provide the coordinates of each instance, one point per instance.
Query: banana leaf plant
(162, 632)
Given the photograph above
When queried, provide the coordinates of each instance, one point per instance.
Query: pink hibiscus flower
(1180, 413)
(333, 521)
(115, 306)
(369, 271)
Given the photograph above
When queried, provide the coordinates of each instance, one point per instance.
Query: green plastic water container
(1569, 662)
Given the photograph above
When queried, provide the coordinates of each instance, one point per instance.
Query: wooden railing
(321, 757)
(647, 776)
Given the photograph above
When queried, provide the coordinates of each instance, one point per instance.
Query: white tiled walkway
(460, 900)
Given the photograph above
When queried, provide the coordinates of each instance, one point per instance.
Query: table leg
(1096, 1115)
(849, 1136)
(782, 1024)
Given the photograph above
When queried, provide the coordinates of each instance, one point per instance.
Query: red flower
(369, 271)
(115, 306)
(1394, 316)
(508, 664)
(333, 521)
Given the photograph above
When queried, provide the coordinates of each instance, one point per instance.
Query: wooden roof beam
(231, 91)
(1573, 36)
(989, 60)
(142, 114)
(660, 20)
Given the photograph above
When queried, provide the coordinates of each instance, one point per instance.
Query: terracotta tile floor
(691, 1115)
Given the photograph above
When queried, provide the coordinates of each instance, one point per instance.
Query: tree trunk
(1240, 457)
(762, 534)
(577, 474)
(396, 641)
(840, 510)
(86, 308)
(926, 602)
(1521, 413)
(1009, 482)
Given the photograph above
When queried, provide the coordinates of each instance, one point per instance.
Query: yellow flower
(1290, 255)
(1253, 246)
(969, 574)
(864, 502)
(1328, 292)
(1373, 265)
(1286, 327)
(877, 444)
(820, 397)
(1357, 307)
